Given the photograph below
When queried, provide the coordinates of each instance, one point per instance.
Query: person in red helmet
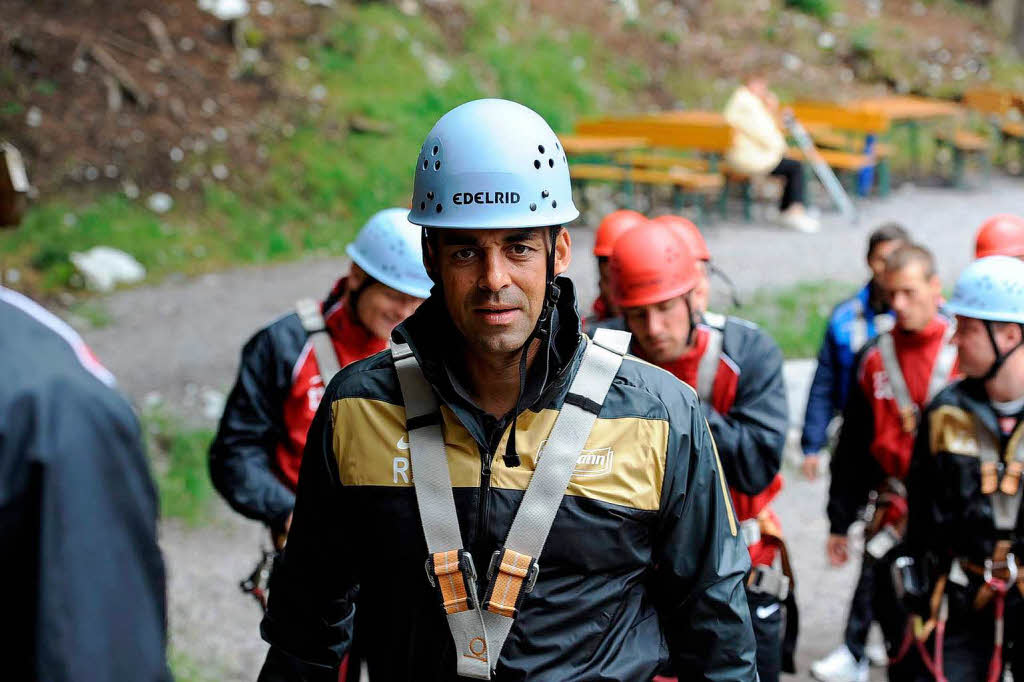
(737, 371)
(613, 225)
(1000, 235)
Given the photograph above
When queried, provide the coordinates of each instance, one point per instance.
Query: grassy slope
(325, 181)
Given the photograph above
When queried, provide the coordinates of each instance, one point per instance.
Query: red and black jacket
(254, 460)
(748, 417)
(873, 444)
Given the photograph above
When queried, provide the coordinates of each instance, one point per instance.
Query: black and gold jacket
(643, 559)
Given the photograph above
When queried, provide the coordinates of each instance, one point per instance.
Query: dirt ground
(181, 340)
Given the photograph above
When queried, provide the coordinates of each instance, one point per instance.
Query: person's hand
(838, 549)
(810, 466)
(279, 536)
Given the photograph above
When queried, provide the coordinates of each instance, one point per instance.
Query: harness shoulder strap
(900, 392)
(514, 567)
(312, 321)
(707, 368)
(943, 363)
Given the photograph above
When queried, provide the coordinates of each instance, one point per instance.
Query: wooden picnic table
(600, 144)
(905, 108)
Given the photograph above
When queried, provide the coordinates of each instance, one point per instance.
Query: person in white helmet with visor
(539, 506)
(964, 534)
(255, 457)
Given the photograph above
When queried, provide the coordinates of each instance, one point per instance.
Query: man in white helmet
(254, 460)
(538, 506)
(964, 530)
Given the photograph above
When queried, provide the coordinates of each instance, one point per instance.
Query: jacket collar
(430, 333)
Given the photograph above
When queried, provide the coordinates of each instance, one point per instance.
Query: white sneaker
(799, 221)
(840, 666)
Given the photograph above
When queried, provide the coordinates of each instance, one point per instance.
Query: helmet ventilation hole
(437, 165)
(438, 208)
(425, 164)
(557, 146)
(533, 207)
(551, 163)
(430, 195)
(544, 194)
(540, 148)
(554, 204)
(536, 163)
(436, 150)
(423, 206)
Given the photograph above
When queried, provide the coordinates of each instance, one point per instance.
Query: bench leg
(702, 208)
(748, 200)
(884, 182)
(723, 200)
(986, 166)
(959, 163)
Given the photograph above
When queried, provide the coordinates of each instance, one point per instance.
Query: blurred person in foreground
(84, 578)
(1000, 235)
(759, 148)
(612, 225)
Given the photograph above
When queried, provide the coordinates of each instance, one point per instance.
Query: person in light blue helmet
(254, 460)
(962, 575)
(541, 506)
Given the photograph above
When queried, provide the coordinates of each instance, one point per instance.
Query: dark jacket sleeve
(250, 429)
(821, 403)
(854, 471)
(927, 514)
(701, 563)
(102, 605)
(752, 435)
(314, 586)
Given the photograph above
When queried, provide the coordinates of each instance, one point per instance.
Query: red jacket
(725, 388)
(873, 444)
(254, 460)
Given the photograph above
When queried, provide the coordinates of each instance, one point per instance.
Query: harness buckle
(998, 584)
(458, 591)
(528, 582)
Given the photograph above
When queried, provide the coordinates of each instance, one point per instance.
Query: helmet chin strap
(542, 331)
(1001, 358)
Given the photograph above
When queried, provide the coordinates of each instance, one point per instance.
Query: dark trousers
(858, 622)
(766, 617)
(793, 189)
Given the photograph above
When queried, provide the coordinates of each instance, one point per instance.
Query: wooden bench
(850, 133)
(964, 145)
(684, 183)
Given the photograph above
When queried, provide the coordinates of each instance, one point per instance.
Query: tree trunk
(1018, 28)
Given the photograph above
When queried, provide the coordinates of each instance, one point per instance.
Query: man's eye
(521, 249)
(463, 254)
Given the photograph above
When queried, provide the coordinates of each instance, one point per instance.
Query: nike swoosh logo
(765, 611)
(403, 444)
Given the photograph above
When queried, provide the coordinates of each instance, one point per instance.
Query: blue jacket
(835, 365)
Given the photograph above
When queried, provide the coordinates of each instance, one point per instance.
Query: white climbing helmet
(388, 248)
(492, 163)
(992, 289)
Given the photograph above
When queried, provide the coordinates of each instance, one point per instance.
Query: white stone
(225, 10)
(160, 202)
(103, 267)
(34, 117)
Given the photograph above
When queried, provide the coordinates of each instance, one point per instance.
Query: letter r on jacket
(400, 467)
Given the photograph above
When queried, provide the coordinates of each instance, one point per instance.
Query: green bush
(822, 9)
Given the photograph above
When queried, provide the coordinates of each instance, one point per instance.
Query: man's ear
(563, 251)
(356, 277)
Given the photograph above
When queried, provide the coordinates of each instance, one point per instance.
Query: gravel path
(181, 340)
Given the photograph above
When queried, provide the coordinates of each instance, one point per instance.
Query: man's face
(876, 259)
(494, 282)
(381, 308)
(604, 283)
(660, 329)
(913, 296)
(974, 350)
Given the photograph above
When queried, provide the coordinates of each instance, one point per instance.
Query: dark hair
(911, 253)
(887, 232)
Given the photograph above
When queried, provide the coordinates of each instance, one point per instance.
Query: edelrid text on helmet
(492, 164)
